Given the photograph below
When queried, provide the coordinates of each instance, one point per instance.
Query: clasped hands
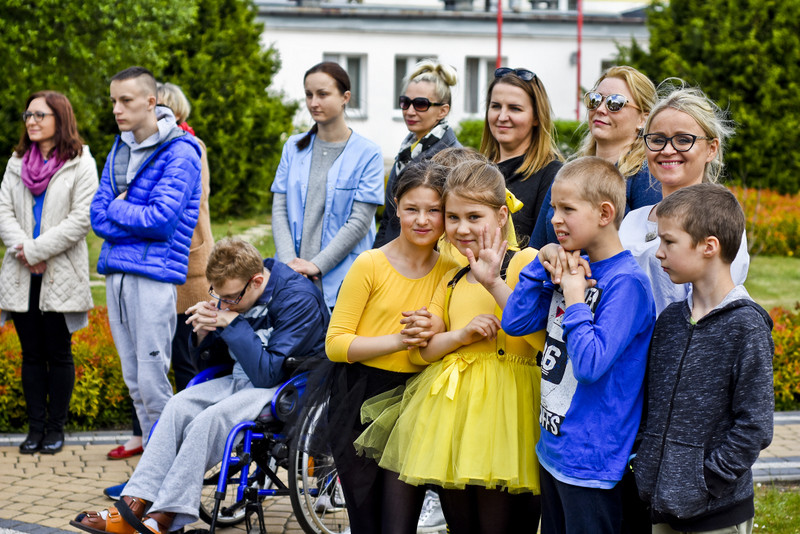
(568, 269)
(35, 269)
(206, 316)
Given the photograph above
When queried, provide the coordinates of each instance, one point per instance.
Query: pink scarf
(36, 172)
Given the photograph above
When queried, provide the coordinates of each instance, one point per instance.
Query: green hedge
(568, 134)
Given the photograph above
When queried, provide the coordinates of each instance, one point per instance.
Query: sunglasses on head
(523, 74)
(614, 102)
(420, 103)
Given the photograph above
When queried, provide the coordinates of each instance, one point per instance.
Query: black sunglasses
(522, 74)
(420, 103)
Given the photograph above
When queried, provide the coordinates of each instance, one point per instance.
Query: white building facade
(378, 45)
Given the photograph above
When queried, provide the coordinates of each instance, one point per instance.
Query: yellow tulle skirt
(466, 419)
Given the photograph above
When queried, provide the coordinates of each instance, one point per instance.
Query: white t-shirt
(640, 236)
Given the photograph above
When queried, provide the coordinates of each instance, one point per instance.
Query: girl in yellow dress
(371, 345)
(468, 423)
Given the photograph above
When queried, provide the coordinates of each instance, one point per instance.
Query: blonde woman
(617, 109)
(425, 103)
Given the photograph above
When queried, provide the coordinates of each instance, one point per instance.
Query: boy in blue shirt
(594, 358)
(710, 395)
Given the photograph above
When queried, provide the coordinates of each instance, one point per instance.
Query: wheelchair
(235, 490)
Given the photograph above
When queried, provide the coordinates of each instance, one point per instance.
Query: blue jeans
(568, 509)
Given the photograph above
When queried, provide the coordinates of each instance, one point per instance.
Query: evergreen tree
(745, 54)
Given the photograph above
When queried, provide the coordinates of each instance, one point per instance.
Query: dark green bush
(568, 134)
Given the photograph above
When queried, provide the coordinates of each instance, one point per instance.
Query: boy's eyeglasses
(227, 300)
(614, 102)
(38, 116)
(680, 142)
(420, 103)
(523, 74)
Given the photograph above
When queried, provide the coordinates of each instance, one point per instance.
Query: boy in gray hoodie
(710, 395)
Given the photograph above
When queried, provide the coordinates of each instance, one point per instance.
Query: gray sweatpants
(188, 440)
(141, 314)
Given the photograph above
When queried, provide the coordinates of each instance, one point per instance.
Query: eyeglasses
(523, 74)
(614, 102)
(37, 115)
(230, 301)
(680, 142)
(420, 103)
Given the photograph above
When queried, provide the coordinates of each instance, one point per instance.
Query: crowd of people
(524, 341)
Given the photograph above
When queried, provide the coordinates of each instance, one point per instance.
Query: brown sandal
(114, 523)
(163, 519)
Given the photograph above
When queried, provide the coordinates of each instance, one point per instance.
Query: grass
(777, 508)
(774, 281)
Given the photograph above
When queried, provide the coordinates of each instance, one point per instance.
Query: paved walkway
(39, 494)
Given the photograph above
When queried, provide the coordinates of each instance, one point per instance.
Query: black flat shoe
(52, 443)
(32, 444)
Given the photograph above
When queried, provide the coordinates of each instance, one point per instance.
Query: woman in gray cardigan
(44, 279)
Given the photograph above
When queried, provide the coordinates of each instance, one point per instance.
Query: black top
(530, 192)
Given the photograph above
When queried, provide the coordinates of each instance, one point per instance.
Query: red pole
(578, 58)
(498, 63)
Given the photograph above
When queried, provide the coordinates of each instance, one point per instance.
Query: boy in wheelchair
(263, 312)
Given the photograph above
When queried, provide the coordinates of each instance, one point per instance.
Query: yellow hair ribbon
(513, 203)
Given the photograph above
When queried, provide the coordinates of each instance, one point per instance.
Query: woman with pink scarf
(44, 279)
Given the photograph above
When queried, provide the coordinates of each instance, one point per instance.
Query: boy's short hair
(705, 210)
(148, 81)
(233, 258)
(599, 180)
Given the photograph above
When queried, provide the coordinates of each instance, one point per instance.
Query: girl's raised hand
(486, 267)
(484, 326)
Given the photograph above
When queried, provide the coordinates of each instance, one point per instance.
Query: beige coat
(196, 287)
(61, 242)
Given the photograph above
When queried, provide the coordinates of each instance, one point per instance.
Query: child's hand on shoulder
(486, 267)
(484, 326)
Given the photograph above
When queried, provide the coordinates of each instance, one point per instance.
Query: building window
(355, 65)
(403, 65)
(480, 73)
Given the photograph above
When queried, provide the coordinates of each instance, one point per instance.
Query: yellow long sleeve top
(370, 303)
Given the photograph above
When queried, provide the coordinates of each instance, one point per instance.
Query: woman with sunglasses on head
(518, 137)
(44, 280)
(684, 138)
(327, 188)
(618, 107)
(425, 103)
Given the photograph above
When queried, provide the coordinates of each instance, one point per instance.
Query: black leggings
(478, 510)
(48, 371)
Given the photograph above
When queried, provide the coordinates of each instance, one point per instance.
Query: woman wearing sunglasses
(518, 136)
(618, 107)
(326, 190)
(425, 103)
(684, 138)
(44, 280)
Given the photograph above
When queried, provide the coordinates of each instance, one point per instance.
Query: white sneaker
(431, 519)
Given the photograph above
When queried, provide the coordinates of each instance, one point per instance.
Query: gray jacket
(709, 411)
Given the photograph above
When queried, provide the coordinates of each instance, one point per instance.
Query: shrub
(773, 221)
(786, 362)
(469, 133)
(100, 397)
(568, 134)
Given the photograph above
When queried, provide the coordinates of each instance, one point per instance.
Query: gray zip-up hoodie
(709, 413)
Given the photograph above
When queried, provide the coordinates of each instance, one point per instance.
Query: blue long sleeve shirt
(593, 367)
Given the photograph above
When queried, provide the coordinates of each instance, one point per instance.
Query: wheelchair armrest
(211, 373)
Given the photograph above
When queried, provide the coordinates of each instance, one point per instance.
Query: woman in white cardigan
(44, 279)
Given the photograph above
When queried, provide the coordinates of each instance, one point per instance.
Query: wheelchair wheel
(231, 511)
(315, 490)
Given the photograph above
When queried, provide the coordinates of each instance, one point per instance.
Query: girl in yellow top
(468, 423)
(366, 333)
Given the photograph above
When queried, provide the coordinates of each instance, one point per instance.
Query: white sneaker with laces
(431, 519)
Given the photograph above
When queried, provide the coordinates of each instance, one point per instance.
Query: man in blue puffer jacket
(145, 209)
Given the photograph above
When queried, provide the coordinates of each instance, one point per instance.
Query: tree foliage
(745, 54)
(209, 47)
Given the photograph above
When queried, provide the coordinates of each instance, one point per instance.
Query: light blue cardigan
(356, 175)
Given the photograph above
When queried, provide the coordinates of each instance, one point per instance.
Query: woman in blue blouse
(327, 188)
(617, 110)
